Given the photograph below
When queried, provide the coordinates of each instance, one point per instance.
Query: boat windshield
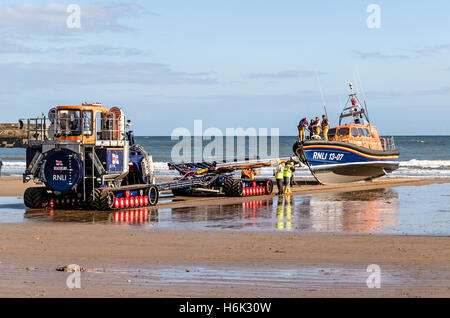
(343, 131)
(331, 132)
(361, 132)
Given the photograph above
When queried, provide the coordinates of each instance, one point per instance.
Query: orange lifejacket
(248, 173)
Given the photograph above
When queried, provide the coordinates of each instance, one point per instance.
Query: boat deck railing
(388, 143)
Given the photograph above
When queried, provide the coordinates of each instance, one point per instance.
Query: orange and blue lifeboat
(351, 152)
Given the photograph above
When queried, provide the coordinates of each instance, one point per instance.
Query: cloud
(379, 55)
(285, 74)
(435, 91)
(432, 50)
(31, 76)
(291, 99)
(8, 47)
(16, 47)
(98, 49)
(411, 53)
(27, 20)
(25, 28)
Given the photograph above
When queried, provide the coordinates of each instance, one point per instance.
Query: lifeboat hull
(334, 162)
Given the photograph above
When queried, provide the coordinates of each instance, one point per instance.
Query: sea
(420, 156)
(402, 210)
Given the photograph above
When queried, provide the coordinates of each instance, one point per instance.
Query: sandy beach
(126, 261)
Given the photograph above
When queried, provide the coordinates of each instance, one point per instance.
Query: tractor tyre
(153, 195)
(269, 186)
(101, 200)
(34, 198)
(233, 187)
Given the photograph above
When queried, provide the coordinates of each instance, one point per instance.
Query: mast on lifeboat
(354, 110)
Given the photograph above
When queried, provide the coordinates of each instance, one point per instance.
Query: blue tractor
(84, 157)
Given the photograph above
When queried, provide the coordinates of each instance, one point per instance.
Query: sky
(231, 64)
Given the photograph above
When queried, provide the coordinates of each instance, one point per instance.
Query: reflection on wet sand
(245, 215)
(128, 217)
(284, 213)
(134, 217)
(363, 211)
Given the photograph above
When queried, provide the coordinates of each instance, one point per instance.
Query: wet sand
(15, 187)
(128, 262)
(131, 262)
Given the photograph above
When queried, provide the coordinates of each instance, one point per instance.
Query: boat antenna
(363, 94)
(321, 93)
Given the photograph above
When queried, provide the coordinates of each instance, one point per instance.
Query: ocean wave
(426, 164)
(13, 163)
(414, 167)
(13, 166)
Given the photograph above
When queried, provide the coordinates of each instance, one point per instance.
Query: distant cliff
(13, 137)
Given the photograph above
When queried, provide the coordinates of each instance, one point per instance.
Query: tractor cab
(87, 124)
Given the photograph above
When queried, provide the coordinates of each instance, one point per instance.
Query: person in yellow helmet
(287, 174)
(278, 174)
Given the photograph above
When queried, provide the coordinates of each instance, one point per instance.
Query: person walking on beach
(278, 174)
(325, 127)
(1, 164)
(302, 125)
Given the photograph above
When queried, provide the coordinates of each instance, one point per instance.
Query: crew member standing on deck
(325, 127)
(278, 174)
(302, 125)
(316, 127)
(311, 129)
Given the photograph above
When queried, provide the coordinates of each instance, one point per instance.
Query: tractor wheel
(233, 187)
(153, 195)
(269, 186)
(106, 200)
(34, 198)
(102, 200)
